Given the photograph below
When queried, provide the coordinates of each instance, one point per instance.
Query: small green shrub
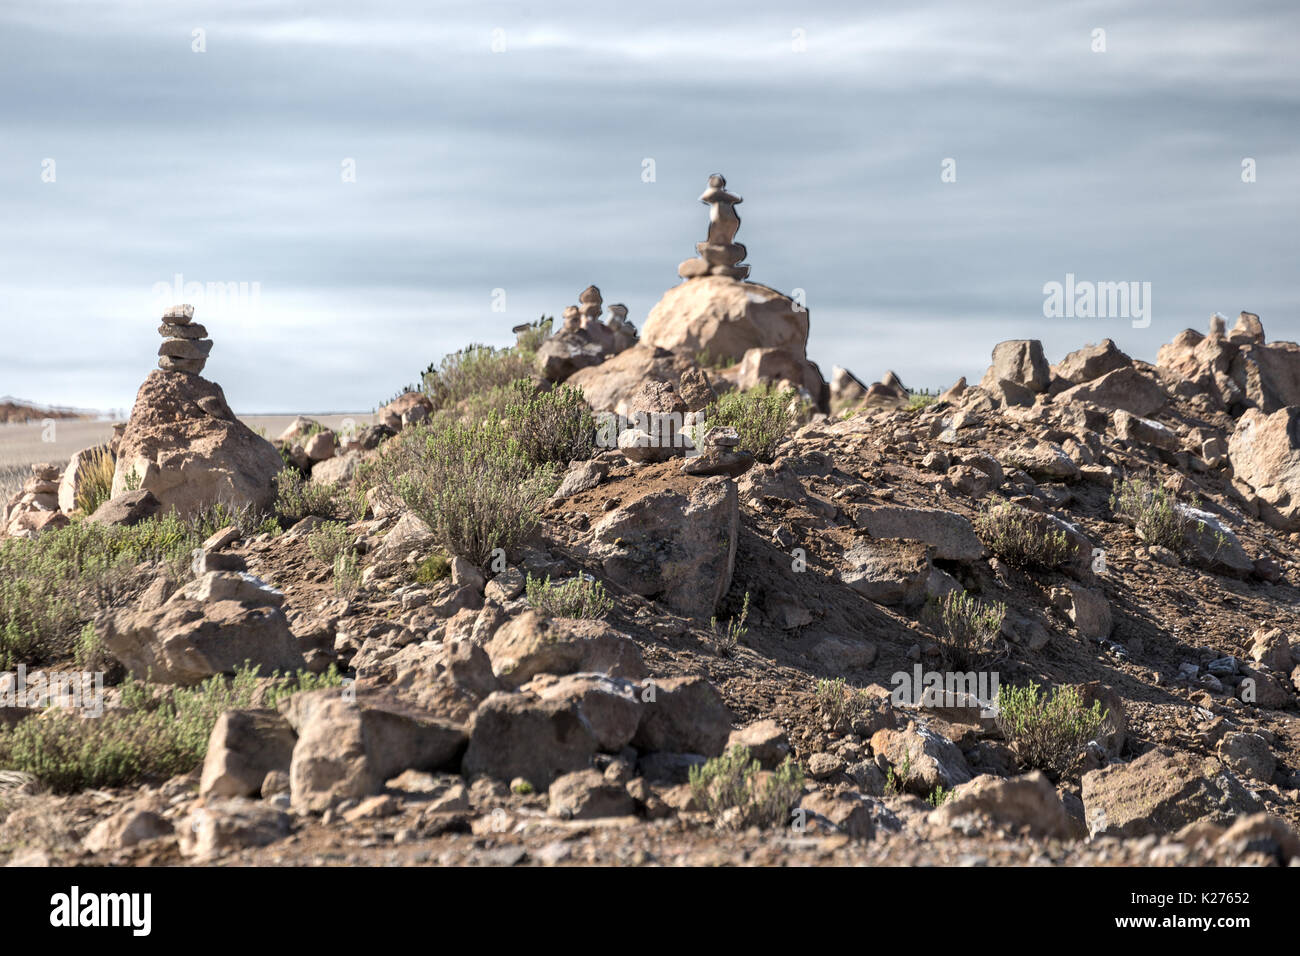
(472, 484)
(555, 426)
(727, 639)
(158, 732)
(731, 790)
(761, 416)
(1048, 731)
(96, 484)
(966, 629)
(297, 498)
(435, 567)
(840, 705)
(1017, 536)
(578, 597)
(328, 541)
(1152, 511)
(531, 339)
(474, 371)
(347, 573)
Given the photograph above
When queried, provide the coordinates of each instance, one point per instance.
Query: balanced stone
(186, 348)
(590, 304)
(169, 364)
(194, 331)
(720, 254)
(179, 315)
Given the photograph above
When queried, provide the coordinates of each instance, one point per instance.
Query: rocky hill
(724, 611)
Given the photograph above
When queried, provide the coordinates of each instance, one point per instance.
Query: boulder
(520, 735)
(1265, 453)
(350, 743)
(770, 366)
(1161, 792)
(683, 715)
(245, 745)
(221, 826)
(951, 535)
(1091, 361)
(921, 758)
(1020, 362)
(1125, 388)
(183, 444)
(887, 571)
(609, 386)
(128, 508)
(610, 706)
(673, 547)
(587, 795)
(532, 644)
(75, 474)
(1027, 804)
(724, 318)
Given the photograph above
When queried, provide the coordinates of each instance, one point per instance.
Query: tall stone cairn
(720, 254)
(185, 344)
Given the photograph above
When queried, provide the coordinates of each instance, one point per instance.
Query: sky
(360, 188)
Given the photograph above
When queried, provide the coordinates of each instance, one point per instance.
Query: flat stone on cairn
(185, 345)
(720, 254)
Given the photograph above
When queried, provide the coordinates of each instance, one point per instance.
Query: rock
(1262, 689)
(335, 471)
(610, 706)
(520, 735)
(321, 445)
(1265, 453)
(231, 824)
(921, 758)
(719, 461)
(724, 318)
(1261, 833)
(822, 766)
(1144, 431)
(1248, 755)
(587, 795)
(1090, 362)
(128, 508)
(685, 715)
(449, 680)
(769, 366)
(1027, 804)
(183, 444)
(581, 476)
(533, 644)
(506, 586)
(567, 352)
(245, 746)
(765, 740)
(849, 813)
(609, 386)
(132, 825)
(349, 744)
(1089, 610)
(1125, 388)
(408, 534)
(1020, 362)
(1160, 792)
(887, 571)
(1248, 330)
(187, 641)
(951, 535)
(1211, 544)
(847, 389)
(1272, 649)
(675, 548)
(406, 407)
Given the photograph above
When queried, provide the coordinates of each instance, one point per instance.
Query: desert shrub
(474, 370)
(51, 585)
(347, 573)
(12, 478)
(96, 485)
(839, 704)
(732, 790)
(555, 426)
(582, 596)
(435, 567)
(297, 498)
(472, 485)
(761, 416)
(158, 732)
(966, 628)
(1017, 536)
(920, 400)
(531, 339)
(328, 541)
(1048, 731)
(1152, 511)
(727, 639)
(938, 796)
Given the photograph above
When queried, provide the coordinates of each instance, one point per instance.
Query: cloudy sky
(502, 147)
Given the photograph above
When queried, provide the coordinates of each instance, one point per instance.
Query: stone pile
(583, 340)
(36, 506)
(185, 344)
(719, 254)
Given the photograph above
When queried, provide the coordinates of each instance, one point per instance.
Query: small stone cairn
(720, 254)
(185, 344)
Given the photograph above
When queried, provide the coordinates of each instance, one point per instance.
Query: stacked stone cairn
(185, 344)
(719, 254)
